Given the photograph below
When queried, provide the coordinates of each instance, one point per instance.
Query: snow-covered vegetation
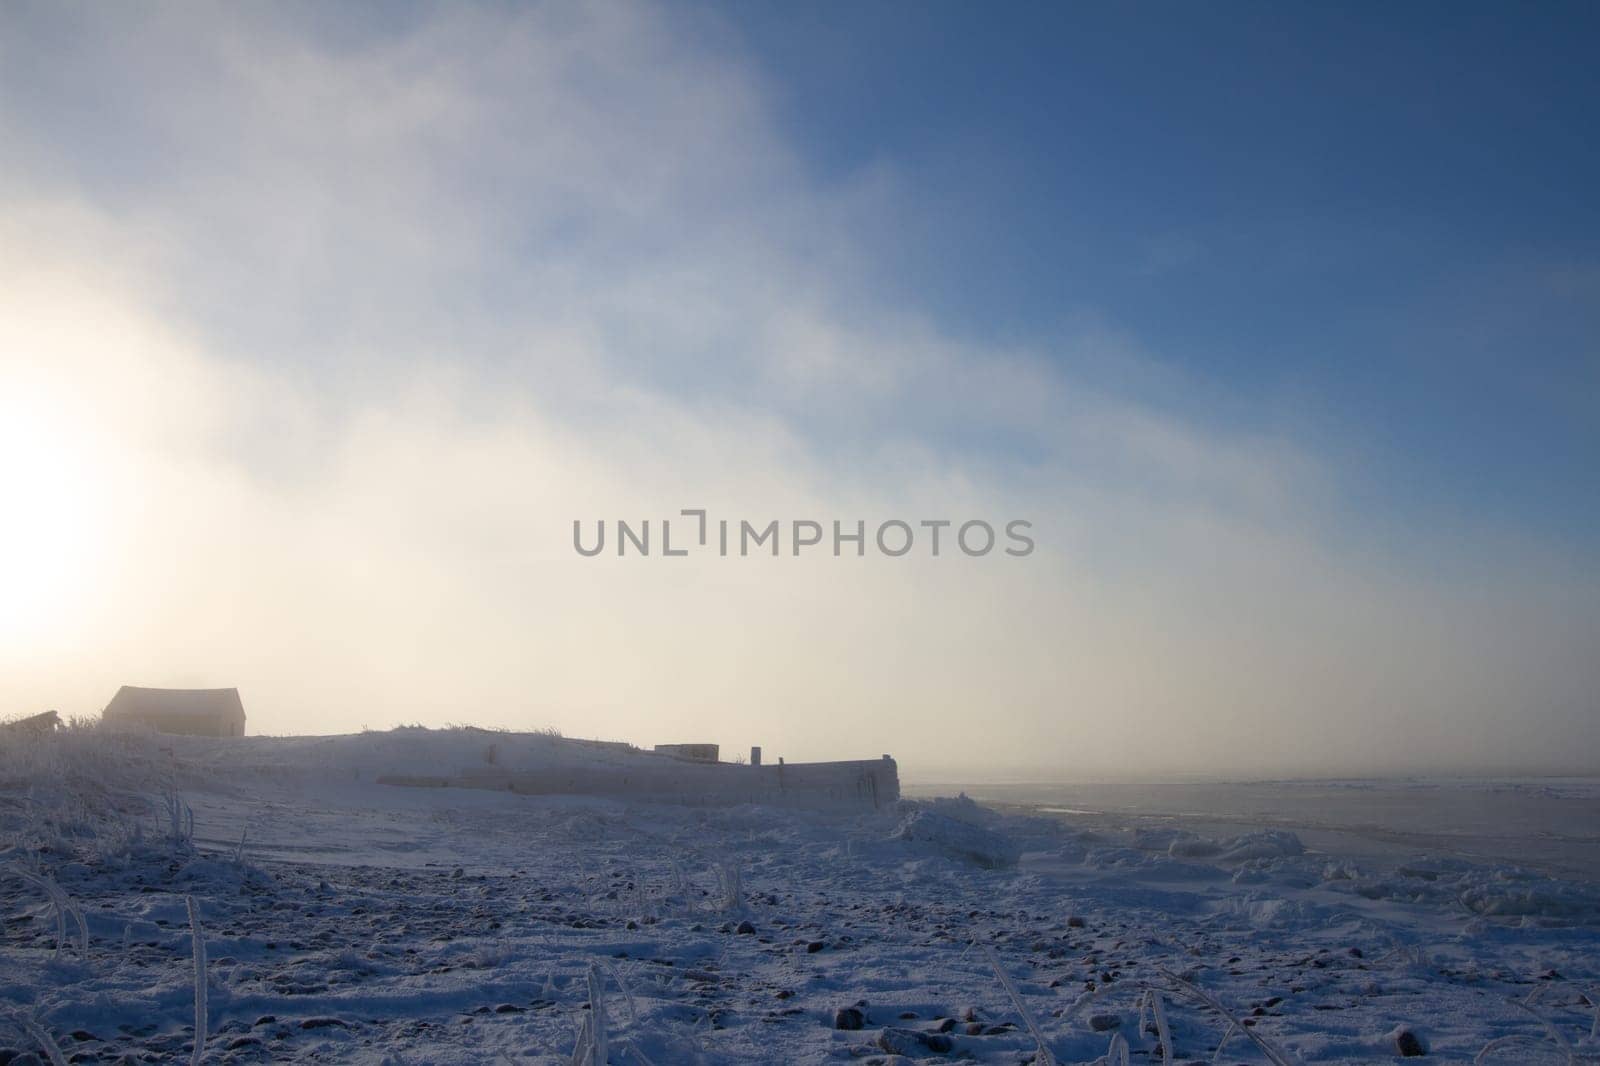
(254, 900)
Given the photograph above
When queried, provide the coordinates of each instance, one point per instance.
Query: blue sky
(322, 324)
(1376, 221)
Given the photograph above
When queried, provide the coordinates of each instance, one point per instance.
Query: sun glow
(52, 533)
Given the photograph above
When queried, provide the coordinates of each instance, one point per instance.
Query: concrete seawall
(864, 783)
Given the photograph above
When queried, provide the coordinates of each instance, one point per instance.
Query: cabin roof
(186, 702)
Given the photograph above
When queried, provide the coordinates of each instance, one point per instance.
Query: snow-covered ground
(347, 921)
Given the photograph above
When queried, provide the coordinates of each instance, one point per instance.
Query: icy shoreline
(1545, 824)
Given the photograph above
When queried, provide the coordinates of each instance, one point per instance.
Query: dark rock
(745, 929)
(814, 947)
(1104, 1023)
(324, 1023)
(849, 1018)
(945, 1026)
(1407, 1044)
(1074, 922)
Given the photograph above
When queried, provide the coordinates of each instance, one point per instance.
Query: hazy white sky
(317, 334)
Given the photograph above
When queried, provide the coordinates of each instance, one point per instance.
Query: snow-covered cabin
(198, 712)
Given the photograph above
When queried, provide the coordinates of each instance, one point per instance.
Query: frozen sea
(1551, 825)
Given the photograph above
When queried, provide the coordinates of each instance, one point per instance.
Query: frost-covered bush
(80, 790)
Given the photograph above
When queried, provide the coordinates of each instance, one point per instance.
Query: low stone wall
(864, 783)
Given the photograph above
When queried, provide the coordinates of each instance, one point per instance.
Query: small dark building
(35, 725)
(197, 712)
(692, 752)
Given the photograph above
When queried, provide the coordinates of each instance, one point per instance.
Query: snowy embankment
(346, 921)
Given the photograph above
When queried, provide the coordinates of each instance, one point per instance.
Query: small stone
(910, 1042)
(1104, 1023)
(1074, 922)
(814, 947)
(849, 1018)
(745, 929)
(1407, 1044)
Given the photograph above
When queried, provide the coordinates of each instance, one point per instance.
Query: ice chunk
(958, 839)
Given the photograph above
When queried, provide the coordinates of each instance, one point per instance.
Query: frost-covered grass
(379, 924)
(60, 903)
(202, 1015)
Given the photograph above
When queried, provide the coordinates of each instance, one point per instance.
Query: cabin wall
(185, 725)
